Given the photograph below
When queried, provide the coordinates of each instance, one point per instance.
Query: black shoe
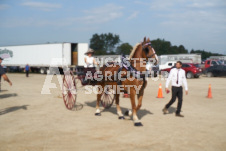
(165, 110)
(179, 115)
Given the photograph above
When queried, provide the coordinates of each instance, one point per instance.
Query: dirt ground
(31, 121)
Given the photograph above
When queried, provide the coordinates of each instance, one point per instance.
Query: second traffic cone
(160, 91)
(209, 95)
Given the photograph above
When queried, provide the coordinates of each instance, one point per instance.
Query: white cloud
(201, 5)
(41, 5)
(89, 17)
(196, 21)
(3, 6)
(141, 2)
(193, 14)
(161, 5)
(101, 14)
(133, 15)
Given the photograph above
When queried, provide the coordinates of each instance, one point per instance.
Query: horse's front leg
(134, 107)
(119, 112)
(140, 96)
(98, 113)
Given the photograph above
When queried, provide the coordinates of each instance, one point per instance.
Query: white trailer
(221, 58)
(41, 56)
(184, 58)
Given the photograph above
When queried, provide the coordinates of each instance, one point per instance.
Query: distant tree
(192, 51)
(104, 43)
(160, 46)
(124, 48)
(181, 49)
(165, 47)
(205, 54)
(172, 50)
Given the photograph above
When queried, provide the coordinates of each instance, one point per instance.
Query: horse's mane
(133, 51)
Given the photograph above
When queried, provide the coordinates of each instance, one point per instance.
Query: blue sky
(197, 24)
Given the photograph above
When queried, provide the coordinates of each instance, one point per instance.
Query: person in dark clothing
(2, 74)
(178, 77)
(27, 69)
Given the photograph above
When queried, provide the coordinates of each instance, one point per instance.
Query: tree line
(110, 44)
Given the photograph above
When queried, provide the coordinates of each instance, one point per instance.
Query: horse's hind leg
(119, 112)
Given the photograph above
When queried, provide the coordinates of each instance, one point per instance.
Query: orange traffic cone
(209, 95)
(160, 91)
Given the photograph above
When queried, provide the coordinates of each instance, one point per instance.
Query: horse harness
(146, 50)
(133, 72)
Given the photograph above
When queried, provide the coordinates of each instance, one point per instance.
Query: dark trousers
(27, 73)
(177, 92)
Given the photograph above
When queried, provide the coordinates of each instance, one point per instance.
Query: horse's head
(149, 51)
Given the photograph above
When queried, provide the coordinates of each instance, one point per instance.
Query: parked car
(168, 64)
(192, 70)
(209, 63)
(217, 70)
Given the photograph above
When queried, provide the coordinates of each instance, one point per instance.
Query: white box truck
(221, 58)
(40, 56)
(167, 61)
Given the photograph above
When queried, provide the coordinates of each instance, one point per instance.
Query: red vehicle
(209, 63)
(192, 70)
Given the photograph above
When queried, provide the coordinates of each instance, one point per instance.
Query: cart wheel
(69, 90)
(107, 98)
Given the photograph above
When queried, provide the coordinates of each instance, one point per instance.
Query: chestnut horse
(139, 56)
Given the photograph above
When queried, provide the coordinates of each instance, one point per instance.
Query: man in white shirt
(178, 77)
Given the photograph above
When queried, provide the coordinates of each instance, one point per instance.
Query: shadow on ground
(3, 96)
(78, 106)
(172, 110)
(12, 109)
(141, 113)
(3, 90)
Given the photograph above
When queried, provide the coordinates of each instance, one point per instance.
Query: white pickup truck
(168, 64)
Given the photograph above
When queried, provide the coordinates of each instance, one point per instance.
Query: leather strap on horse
(131, 69)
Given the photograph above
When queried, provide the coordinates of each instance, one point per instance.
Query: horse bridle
(145, 49)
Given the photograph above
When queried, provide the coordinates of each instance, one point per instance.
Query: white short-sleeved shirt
(173, 75)
(89, 62)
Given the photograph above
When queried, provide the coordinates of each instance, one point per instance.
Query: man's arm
(5, 77)
(168, 80)
(185, 84)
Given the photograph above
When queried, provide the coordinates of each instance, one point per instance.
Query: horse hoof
(126, 113)
(97, 114)
(138, 124)
(121, 117)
